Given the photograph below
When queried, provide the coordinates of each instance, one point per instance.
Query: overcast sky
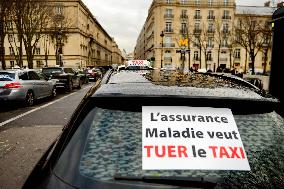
(123, 19)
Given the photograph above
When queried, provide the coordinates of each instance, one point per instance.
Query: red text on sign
(166, 151)
(227, 152)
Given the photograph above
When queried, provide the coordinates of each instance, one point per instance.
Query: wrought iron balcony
(197, 17)
(197, 31)
(169, 30)
(184, 16)
(168, 16)
(226, 17)
(211, 17)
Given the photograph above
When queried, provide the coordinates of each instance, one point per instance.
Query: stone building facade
(85, 42)
(195, 33)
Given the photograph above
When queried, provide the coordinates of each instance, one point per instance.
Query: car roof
(176, 83)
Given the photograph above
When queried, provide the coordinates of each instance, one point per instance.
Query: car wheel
(30, 98)
(54, 92)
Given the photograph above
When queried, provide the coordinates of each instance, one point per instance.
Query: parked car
(101, 146)
(68, 77)
(255, 81)
(25, 86)
(83, 76)
(94, 74)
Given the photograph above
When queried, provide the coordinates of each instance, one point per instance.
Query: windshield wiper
(198, 182)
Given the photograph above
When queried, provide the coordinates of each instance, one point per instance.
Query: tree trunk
(218, 61)
(230, 59)
(246, 61)
(200, 58)
(2, 48)
(252, 61)
(265, 61)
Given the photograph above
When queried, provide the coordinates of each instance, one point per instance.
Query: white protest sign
(191, 138)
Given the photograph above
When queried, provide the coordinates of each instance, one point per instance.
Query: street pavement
(26, 132)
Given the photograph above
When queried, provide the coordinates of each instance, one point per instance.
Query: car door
(37, 84)
(45, 84)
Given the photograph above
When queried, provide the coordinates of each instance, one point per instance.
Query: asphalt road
(26, 132)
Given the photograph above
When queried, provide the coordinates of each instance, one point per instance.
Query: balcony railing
(183, 16)
(226, 17)
(230, 3)
(225, 31)
(197, 31)
(197, 17)
(211, 17)
(168, 30)
(168, 16)
(183, 31)
(211, 31)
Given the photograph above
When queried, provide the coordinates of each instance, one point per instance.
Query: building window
(169, 1)
(238, 53)
(210, 28)
(197, 2)
(224, 42)
(197, 14)
(209, 56)
(12, 64)
(211, 14)
(106, 57)
(169, 13)
(9, 24)
(11, 38)
(184, 14)
(168, 42)
(38, 51)
(210, 42)
(183, 28)
(226, 2)
(59, 9)
(168, 27)
(225, 27)
(210, 2)
(38, 64)
(183, 1)
(12, 52)
(195, 55)
(226, 14)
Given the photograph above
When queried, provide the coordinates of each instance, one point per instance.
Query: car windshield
(109, 142)
(6, 76)
(49, 71)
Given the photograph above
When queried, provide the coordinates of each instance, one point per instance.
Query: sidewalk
(20, 149)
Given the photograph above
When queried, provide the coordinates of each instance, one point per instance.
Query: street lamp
(162, 35)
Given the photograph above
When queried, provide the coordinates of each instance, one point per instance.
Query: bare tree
(32, 19)
(267, 36)
(4, 25)
(250, 33)
(231, 43)
(218, 38)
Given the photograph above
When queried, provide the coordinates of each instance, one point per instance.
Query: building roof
(255, 10)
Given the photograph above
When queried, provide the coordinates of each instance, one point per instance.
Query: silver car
(25, 86)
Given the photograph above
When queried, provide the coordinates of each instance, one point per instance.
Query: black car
(101, 146)
(68, 78)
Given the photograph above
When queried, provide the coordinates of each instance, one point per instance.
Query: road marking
(39, 108)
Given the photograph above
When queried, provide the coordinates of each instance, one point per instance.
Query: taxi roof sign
(143, 63)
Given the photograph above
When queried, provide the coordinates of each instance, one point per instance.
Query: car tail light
(12, 86)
